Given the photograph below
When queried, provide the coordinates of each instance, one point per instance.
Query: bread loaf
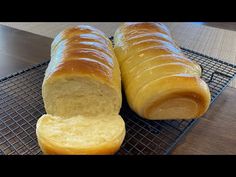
(83, 76)
(160, 82)
(82, 95)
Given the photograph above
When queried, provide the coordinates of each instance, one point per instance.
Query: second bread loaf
(159, 81)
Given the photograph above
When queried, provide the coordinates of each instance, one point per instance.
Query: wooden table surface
(215, 133)
(20, 49)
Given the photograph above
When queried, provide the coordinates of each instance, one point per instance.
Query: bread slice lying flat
(80, 135)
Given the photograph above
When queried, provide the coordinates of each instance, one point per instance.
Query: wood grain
(20, 49)
(215, 133)
(224, 25)
(215, 42)
(53, 28)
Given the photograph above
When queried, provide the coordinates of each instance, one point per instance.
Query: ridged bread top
(83, 50)
(143, 46)
(131, 38)
(149, 58)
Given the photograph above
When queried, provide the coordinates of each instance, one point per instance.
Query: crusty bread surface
(160, 82)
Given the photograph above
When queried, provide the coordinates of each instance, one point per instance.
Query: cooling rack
(21, 105)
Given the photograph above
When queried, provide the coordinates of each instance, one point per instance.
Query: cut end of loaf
(71, 96)
(80, 135)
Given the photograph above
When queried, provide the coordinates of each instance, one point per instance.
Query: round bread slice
(80, 135)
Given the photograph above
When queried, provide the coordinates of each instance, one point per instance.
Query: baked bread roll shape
(160, 82)
(83, 76)
(82, 95)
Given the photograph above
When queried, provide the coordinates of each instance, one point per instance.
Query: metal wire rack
(21, 105)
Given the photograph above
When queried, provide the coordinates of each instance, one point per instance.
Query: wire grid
(21, 105)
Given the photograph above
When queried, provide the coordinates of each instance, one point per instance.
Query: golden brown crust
(95, 54)
(80, 31)
(173, 86)
(150, 36)
(150, 58)
(134, 28)
(75, 45)
(83, 66)
(78, 38)
(84, 50)
(142, 64)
